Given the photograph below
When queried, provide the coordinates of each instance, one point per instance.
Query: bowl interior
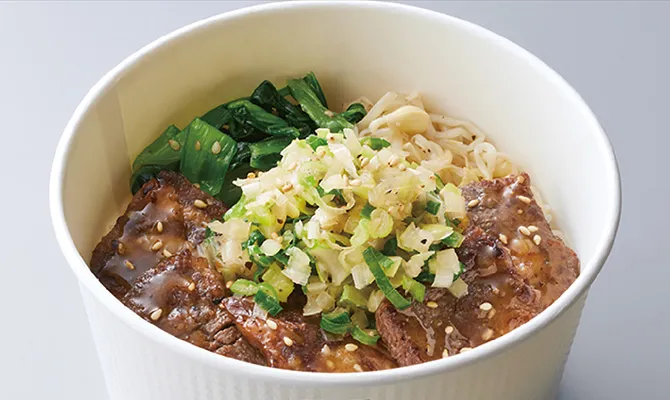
(361, 50)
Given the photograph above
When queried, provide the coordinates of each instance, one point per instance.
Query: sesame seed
(199, 203)
(473, 203)
(229, 284)
(292, 166)
(537, 239)
(288, 341)
(330, 364)
(355, 182)
(329, 113)
(287, 187)
(159, 226)
(251, 175)
(520, 179)
(492, 313)
(365, 161)
(486, 306)
(524, 199)
(533, 228)
(350, 347)
(271, 324)
(445, 353)
(166, 253)
(197, 145)
(274, 235)
(488, 334)
(524, 230)
(464, 349)
(448, 330)
(431, 304)
(519, 211)
(216, 148)
(197, 185)
(358, 368)
(502, 238)
(156, 314)
(156, 246)
(191, 286)
(321, 152)
(325, 349)
(402, 167)
(174, 144)
(120, 249)
(129, 265)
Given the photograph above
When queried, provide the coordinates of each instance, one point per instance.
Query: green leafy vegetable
(311, 104)
(266, 153)
(218, 117)
(164, 151)
(313, 83)
(248, 113)
(144, 175)
(269, 98)
(354, 113)
(206, 155)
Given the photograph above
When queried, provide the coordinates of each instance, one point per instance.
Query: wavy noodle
(455, 149)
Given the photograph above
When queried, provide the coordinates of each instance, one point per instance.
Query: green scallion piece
(364, 337)
(390, 247)
(367, 210)
(454, 240)
(414, 288)
(433, 207)
(267, 303)
(372, 258)
(337, 323)
(244, 287)
(315, 142)
(375, 143)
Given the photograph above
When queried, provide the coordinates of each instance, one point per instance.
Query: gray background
(615, 54)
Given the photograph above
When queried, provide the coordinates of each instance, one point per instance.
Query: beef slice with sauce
(293, 341)
(507, 284)
(163, 218)
(180, 296)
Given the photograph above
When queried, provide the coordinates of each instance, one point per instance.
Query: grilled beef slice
(135, 262)
(511, 277)
(293, 341)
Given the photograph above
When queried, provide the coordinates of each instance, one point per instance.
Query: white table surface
(615, 54)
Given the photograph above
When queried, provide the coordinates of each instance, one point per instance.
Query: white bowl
(356, 48)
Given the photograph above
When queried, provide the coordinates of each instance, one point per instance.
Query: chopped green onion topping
(375, 143)
(364, 337)
(315, 142)
(426, 277)
(337, 323)
(454, 240)
(414, 288)
(244, 287)
(433, 207)
(266, 298)
(390, 247)
(352, 297)
(372, 258)
(367, 210)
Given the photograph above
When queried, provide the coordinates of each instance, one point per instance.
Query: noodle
(454, 149)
